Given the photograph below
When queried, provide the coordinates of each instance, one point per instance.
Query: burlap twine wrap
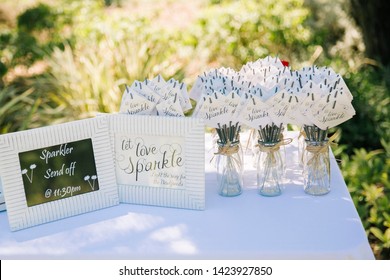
(319, 150)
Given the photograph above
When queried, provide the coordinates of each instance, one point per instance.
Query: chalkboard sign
(58, 172)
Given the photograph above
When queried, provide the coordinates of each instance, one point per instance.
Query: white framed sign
(159, 160)
(2, 201)
(58, 171)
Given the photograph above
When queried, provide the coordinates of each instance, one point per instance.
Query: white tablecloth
(291, 226)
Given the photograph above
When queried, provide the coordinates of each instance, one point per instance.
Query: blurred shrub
(235, 32)
(38, 30)
(371, 90)
(367, 176)
(90, 77)
(365, 154)
(335, 31)
(17, 107)
(40, 17)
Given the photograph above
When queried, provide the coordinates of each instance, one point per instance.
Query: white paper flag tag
(254, 113)
(199, 103)
(217, 83)
(257, 91)
(332, 115)
(157, 83)
(136, 104)
(170, 107)
(303, 116)
(197, 88)
(159, 80)
(143, 89)
(176, 88)
(338, 84)
(127, 94)
(322, 75)
(243, 100)
(232, 100)
(187, 102)
(269, 93)
(282, 106)
(213, 111)
(291, 112)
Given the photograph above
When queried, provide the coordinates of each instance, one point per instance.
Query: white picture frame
(82, 143)
(2, 201)
(169, 158)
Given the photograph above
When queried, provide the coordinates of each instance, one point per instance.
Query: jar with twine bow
(316, 162)
(271, 160)
(229, 161)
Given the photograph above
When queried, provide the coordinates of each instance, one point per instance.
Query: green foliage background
(64, 60)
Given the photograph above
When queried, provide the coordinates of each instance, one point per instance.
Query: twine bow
(275, 147)
(270, 150)
(324, 148)
(320, 150)
(227, 150)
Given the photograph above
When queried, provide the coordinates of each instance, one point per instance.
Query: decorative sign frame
(58, 171)
(2, 201)
(159, 160)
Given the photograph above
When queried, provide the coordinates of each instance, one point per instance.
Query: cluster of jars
(269, 159)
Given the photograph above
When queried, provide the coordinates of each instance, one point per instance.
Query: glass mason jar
(229, 161)
(316, 167)
(270, 169)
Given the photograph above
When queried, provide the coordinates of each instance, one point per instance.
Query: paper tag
(232, 100)
(157, 83)
(174, 90)
(255, 113)
(291, 112)
(303, 116)
(325, 75)
(332, 115)
(135, 104)
(338, 84)
(197, 88)
(143, 89)
(269, 92)
(170, 107)
(214, 111)
(183, 88)
(281, 107)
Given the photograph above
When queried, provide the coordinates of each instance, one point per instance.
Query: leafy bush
(367, 176)
(17, 109)
(83, 80)
(38, 30)
(37, 18)
(365, 162)
(371, 90)
(235, 32)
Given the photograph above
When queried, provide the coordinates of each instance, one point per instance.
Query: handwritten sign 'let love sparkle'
(144, 162)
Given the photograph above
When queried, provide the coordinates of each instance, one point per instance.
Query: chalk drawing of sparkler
(31, 176)
(93, 178)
